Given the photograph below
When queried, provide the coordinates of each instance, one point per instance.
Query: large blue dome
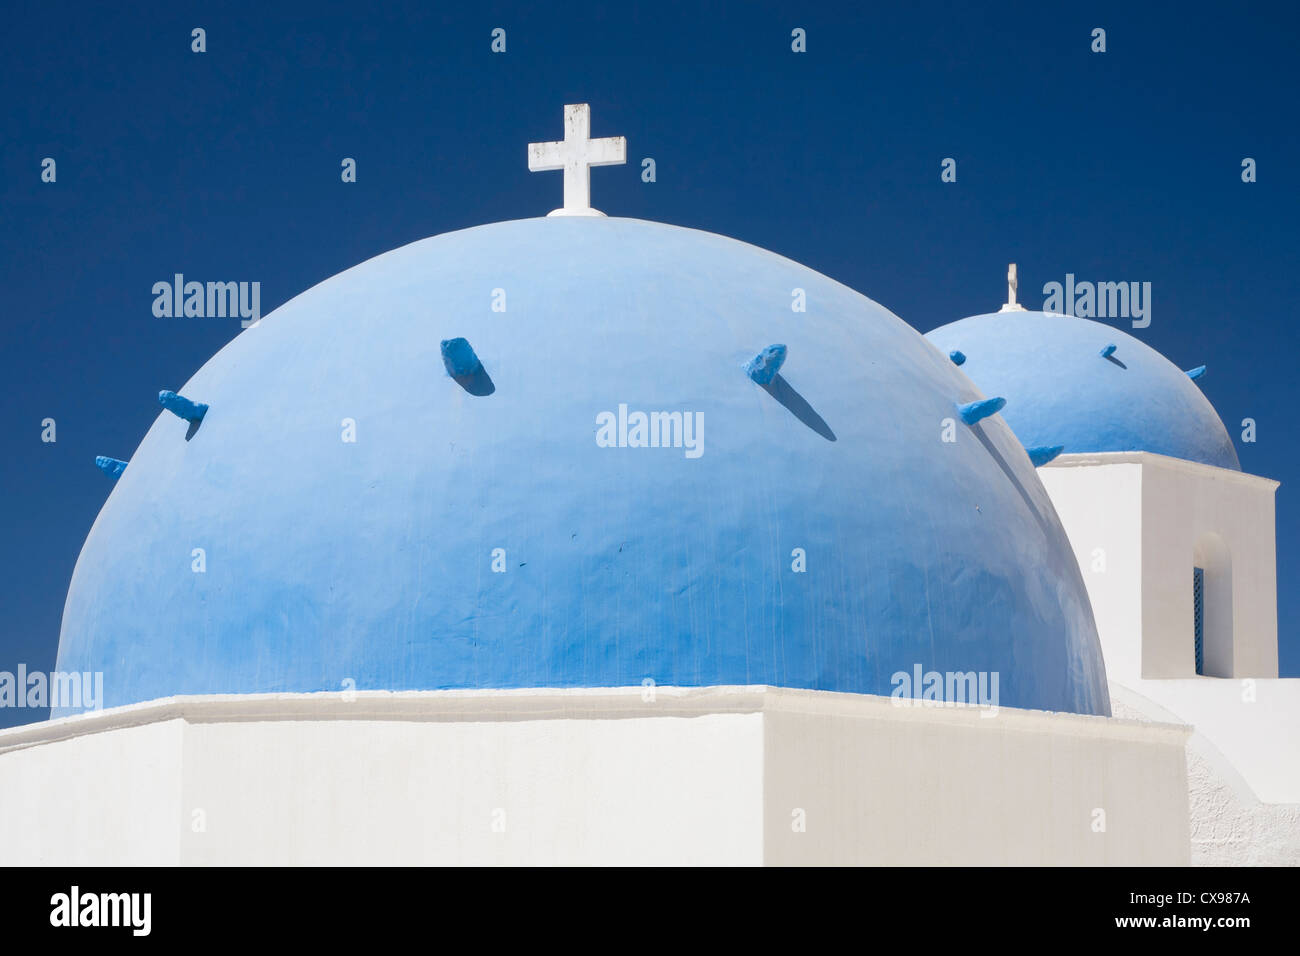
(1061, 390)
(373, 560)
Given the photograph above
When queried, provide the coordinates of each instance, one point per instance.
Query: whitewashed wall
(1243, 763)
(728, 775)
(1152, 518)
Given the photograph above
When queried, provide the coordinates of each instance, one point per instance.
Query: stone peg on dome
(1040, 455)
(1195, 373)
(465, 368)
(113, 467)
(763, 367)
(182, 407)
(958, 357)
(973, 412)
(459, 358)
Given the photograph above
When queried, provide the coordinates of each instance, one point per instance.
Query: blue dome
(479, 533)
(1061, 390)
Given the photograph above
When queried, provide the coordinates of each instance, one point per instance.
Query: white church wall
(90, 799)
(1225, 518)
(919, 786)
(500, 791)
(1100, 506)
(709, 775)
(1252, 722)
(1152, 518)
(1243, 763)
(1228, 830)
(1157, 518)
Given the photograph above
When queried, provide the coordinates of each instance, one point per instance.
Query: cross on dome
(576, 154)
(1012, 284)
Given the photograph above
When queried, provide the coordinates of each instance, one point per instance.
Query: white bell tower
(1179, 559)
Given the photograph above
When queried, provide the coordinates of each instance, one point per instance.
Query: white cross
(576, 154)
(1012, 285)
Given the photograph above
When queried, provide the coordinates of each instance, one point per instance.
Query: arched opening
(1212, 606)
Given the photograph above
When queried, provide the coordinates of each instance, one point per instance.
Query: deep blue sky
(225, 166)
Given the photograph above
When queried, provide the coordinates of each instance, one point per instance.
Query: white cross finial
(576, 154)
(1012, 285)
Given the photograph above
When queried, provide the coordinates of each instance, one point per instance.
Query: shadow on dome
(798, 406)
(1011, 475)
(477, 382)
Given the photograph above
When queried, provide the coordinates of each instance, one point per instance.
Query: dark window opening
(1198, 616)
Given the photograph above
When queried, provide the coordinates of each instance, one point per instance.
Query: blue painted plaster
(972, 412)
(763, 367)
(372, 561)
(458, 357)
(182, 407)
(1040, 455)
(1059, 393)
(113, 467)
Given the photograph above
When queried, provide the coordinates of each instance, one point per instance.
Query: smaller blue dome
(1087, 386)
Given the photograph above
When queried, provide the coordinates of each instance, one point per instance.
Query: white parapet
(716, 775)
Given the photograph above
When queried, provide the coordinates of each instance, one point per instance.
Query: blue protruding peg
(973, 412)
(762, 368)
(113, 467)
(182, 407)
(1042, 454)
(459, 358)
